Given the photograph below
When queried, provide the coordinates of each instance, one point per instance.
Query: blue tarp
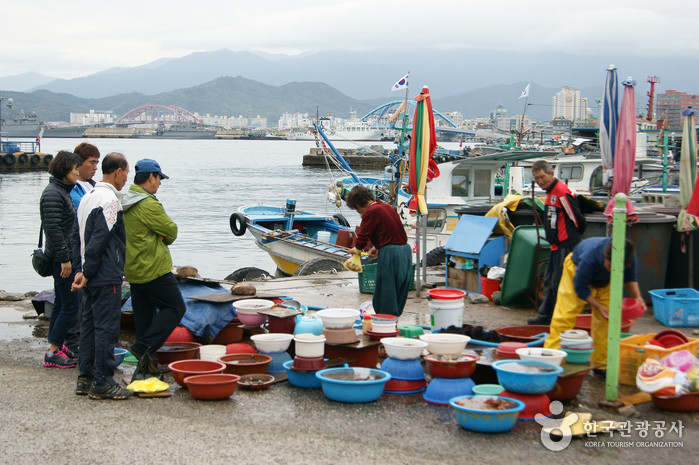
(203, 319)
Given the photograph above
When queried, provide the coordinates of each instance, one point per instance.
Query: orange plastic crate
(632, 354)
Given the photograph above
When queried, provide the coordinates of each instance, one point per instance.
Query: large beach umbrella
(625, 151)
(422, 146)
(608, 123)
(689, 197)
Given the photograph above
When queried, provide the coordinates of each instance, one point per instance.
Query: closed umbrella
(689, 197)
(625, 151)
(422, 146)
(608, 124)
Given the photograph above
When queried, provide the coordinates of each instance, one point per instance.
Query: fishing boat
(474, 185)
(293, 238)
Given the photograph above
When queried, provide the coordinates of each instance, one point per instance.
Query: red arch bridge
(157, 114)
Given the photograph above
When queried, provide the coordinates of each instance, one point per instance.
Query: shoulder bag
(42, 263)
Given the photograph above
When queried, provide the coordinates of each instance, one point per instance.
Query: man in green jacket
(157, 302)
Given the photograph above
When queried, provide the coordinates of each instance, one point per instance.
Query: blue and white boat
(294, 237)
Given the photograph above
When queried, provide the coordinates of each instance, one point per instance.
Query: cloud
(87, 36)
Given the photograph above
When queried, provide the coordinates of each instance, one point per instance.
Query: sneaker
(101, 391)
(540, 320)
(71, 355)
(84, 385)
(58, 360)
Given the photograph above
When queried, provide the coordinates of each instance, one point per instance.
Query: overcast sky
(77, 37)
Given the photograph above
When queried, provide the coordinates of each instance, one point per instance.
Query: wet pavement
(45, 422)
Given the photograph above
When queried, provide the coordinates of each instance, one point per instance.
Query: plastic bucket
(212, 352)
(488, 286)
(324, 236)
(445, 313)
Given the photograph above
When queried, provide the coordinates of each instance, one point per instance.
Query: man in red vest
(564, 224)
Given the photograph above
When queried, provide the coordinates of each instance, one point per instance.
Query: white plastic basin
(338, 318)
(403, 348)
(272, 343)
(309, 345)
(445, 343)
(252, 305)
(540, 354)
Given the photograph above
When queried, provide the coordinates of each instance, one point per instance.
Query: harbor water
(209, 180)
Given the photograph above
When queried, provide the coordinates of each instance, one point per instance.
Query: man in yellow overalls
(585, 280)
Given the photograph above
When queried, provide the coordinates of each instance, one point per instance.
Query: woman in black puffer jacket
(59, 222)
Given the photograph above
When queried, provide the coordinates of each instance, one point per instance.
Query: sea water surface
(209, 180)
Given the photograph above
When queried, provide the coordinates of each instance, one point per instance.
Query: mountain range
(232, 83)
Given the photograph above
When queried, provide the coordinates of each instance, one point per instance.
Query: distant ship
(178, 131)
(354, 130)
(64, 132)
(20, 124)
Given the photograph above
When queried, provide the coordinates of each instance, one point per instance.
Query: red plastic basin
(462, 365)
(174, 351)
(631, 308)
(685, 403)
(522, 333)
(568, 387)
(185, 368)
(230, 333)
(533, 404)
(212, 387)
(245, 364)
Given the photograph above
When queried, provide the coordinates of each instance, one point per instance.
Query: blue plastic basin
(527, 383)
(486, 421)
(119, 355)
(302, 379)
(441, 390)
(352, 390)
(408, 370)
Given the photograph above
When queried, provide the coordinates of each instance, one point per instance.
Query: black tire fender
(341, 220)
(35, 159)
(435, 257)
(318, 265)
(238, 224)
(9, 159)
(47, 159)
(22, 157)
(249, 273)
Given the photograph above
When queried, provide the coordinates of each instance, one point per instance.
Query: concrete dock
(45, 422)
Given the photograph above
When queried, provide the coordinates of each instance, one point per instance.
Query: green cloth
(394, 276)
(149, 230)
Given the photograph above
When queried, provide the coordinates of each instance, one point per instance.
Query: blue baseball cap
(149, 166)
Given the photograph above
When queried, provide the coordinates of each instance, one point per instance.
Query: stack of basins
(247, 310)
(309, 349)
(528, 381)
(403, 364)
(338, 325)
(577, 344)
(449, 367)
(275, 345)
(382, 326)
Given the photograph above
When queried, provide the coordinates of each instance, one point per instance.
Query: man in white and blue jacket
(102, 249)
